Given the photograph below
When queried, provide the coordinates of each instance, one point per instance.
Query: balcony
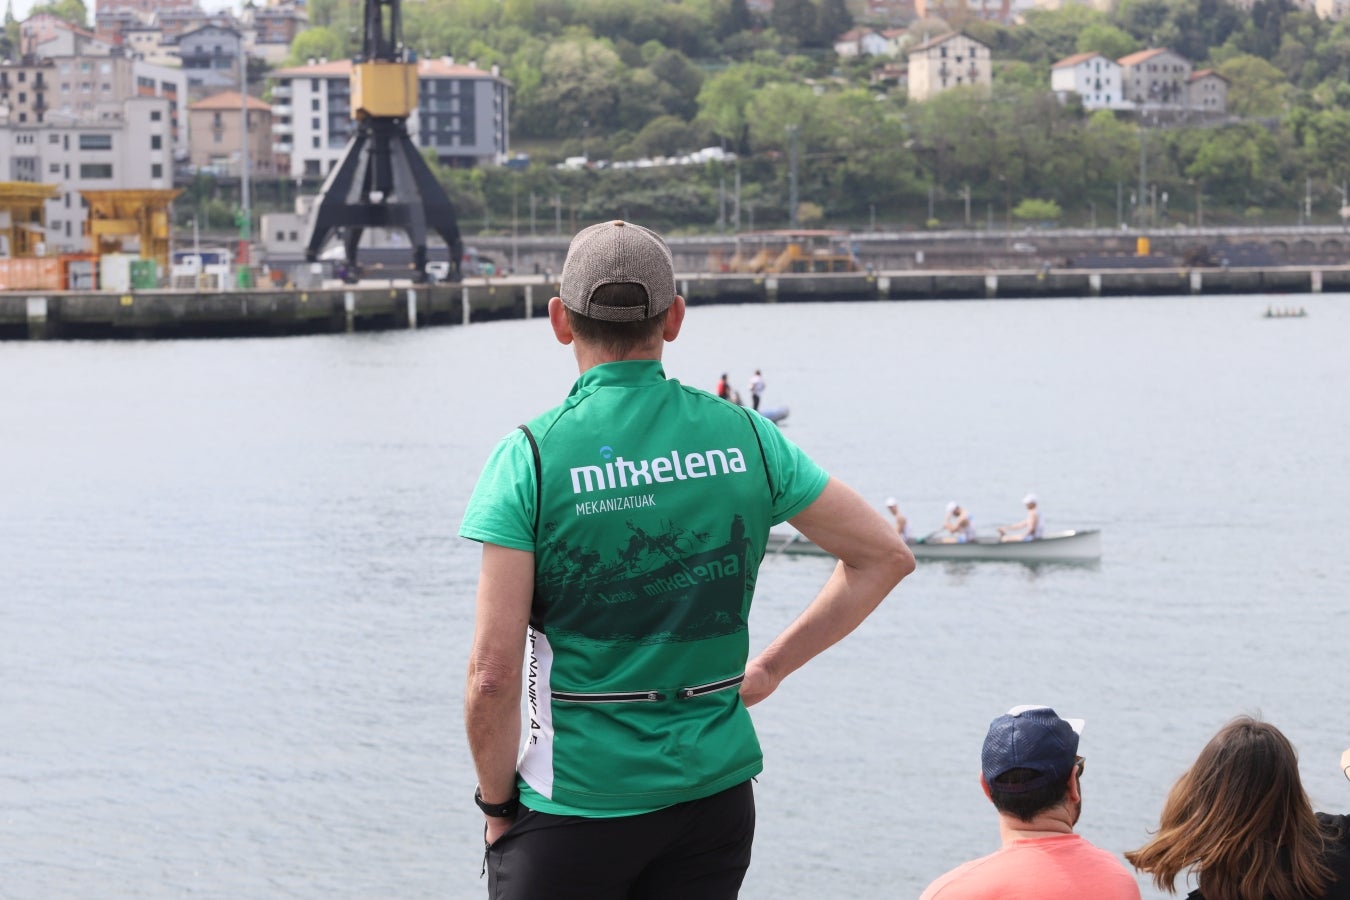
(283, 128)
(280, 148)
(281, 92)
(279, 109)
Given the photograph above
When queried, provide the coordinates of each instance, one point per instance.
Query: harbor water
(234, 612)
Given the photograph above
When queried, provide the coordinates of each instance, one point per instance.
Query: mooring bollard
(37, 318)
(349, 307)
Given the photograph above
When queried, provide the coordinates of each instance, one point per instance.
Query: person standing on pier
(756, 389)
(622, 533)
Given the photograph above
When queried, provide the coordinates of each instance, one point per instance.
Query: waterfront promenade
(400, 304)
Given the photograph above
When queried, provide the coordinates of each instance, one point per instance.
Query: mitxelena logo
(617, 472)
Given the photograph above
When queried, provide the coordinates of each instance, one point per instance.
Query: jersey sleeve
(501, 509)
(797, 479)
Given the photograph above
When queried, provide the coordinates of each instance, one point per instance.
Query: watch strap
(505, 810)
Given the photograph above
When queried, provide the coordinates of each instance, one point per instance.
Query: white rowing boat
(1059, 546)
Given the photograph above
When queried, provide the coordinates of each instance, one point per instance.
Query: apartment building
(117, 148)
(211, 58)
(462, 113)
(216, 138)
(269, 30)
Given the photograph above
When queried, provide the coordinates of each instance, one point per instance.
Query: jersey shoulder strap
(539, 478)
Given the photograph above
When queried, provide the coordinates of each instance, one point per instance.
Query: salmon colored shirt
(1055, 867)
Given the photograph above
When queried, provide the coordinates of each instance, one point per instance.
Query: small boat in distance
(1059, 546)
(1287, 313)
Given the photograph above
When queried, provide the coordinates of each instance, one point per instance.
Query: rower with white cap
(1029, 529)
(960, 529)
(901, 523)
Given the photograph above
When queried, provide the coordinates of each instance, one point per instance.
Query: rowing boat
(1060, 546)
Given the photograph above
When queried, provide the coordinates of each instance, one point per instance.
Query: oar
(924, 539)
(792, 539)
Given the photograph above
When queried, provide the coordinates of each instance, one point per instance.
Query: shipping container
(114, 272)
(30, 274)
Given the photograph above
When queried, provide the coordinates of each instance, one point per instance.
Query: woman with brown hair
(1240, 819)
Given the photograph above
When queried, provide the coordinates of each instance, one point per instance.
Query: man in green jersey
(622, 532)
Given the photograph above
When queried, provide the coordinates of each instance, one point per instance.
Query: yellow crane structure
(23, 217)
(143, 214)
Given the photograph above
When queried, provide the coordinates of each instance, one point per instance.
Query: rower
(959, 528)
(901, 523)
(1029, 529)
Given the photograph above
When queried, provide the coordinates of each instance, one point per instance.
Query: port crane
(382, 181)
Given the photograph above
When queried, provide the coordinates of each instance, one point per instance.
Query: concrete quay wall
(165, 314)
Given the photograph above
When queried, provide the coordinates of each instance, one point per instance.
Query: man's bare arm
(492, 697)
(872, 560)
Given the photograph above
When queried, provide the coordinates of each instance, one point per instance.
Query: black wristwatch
(505, 810)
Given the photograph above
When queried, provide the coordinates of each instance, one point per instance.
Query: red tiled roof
(1076, 59)
(228, 100)
(1136, 58)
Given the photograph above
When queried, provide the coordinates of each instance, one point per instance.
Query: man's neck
(1047, 824)
(588, 357)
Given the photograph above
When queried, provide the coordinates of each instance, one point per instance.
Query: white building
(462, 112)
(861, 42)
(126, 148)
(1093, 77)
(946, 62)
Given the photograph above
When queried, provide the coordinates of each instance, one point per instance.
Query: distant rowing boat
(1060, 546)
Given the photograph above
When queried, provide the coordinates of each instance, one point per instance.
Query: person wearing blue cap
(1030, 770)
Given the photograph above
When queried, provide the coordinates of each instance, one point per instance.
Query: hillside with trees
(616, 80)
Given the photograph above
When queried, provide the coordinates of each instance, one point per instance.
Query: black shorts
(696, 849)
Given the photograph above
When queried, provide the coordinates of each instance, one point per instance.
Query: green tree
(724, 100)
(1036, 210)
(1255, 87)
(1106, 39)
(73, 11)
(578, 92)
(319, 42)
(832, 19)
(795, 21)
(1327, 142)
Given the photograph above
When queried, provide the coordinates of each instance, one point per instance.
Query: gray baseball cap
(617, 252)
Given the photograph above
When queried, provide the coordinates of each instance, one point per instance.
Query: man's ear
(985, 786)
(1074, 793)
(674, 319)
(557, 317)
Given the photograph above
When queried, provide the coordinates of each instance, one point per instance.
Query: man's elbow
(901, 561)
(491, 680)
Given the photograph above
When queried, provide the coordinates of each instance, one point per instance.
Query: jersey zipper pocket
(709, 688)
(608, 697)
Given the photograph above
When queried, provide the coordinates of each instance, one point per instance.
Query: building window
(155, 115)
(156, 142)
(316, 142)
(314, 104)
(53, 138)
(156, 170)
(314, 124)
(96, 170)
(96, 142)
(54, 168)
